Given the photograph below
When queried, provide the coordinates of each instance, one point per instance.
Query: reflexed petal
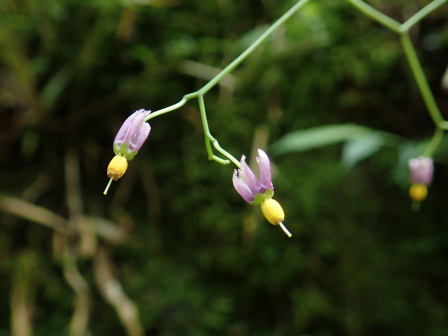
(249, 177)
(264, 166)
(242, 188)
(140, 137)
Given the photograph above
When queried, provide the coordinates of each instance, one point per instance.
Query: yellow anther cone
(274, 213)
(117, 167)
(418, 192)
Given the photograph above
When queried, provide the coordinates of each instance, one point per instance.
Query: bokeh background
(173, 249)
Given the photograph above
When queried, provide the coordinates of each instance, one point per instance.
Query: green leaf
(361, 147)
(316, 137)
(55, 86)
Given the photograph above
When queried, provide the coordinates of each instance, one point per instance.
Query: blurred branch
(80, 319)
(78, 225)
(22, 293)
(112, 292)
(74, 202)
(33, 213)
(106, 229)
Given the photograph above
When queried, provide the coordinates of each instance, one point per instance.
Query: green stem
(376, 15)
(232, 65)
(222, 151)
(421, 14)
(435, 141)
(210, 139)
(186, 98)
(420, 78)
(254, 45)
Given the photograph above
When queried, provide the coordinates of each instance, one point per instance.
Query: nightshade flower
(132, 134)
(422, 172)
(128, 141)
(259, 191)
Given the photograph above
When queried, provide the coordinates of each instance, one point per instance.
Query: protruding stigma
(285, 230)
(108, 185)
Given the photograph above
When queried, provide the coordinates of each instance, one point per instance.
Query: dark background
(192, 255)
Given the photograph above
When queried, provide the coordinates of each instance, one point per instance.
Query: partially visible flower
(259, 191)
(128, 141)
(422, 172)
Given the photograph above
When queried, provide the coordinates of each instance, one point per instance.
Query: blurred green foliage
(199, 260)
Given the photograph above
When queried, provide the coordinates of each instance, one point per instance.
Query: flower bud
(117, 167)
(418, 192)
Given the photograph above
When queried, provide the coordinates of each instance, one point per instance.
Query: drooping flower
(128, 141)
(422, 172)
(132, 134)
(259, 191)
(251, 189)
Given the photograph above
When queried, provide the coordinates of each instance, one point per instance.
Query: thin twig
(112, 292)
(33, 213)
(80, 318)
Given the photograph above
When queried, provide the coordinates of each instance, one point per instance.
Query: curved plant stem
(386, 21)
(252, 47)
(420, 78)
(435, 141)
(421, 14)
(414, 63)
(186, 98)
(376, 15)
(210, 139)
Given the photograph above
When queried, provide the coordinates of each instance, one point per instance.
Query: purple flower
(132, 135)
(246, 184)
(422, 170)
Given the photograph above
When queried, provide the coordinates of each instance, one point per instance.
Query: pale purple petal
(242, 188)
(422, 170)
(119, 138)
(140, 137)
(249, 177)
(264, 167)
(136, 123)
